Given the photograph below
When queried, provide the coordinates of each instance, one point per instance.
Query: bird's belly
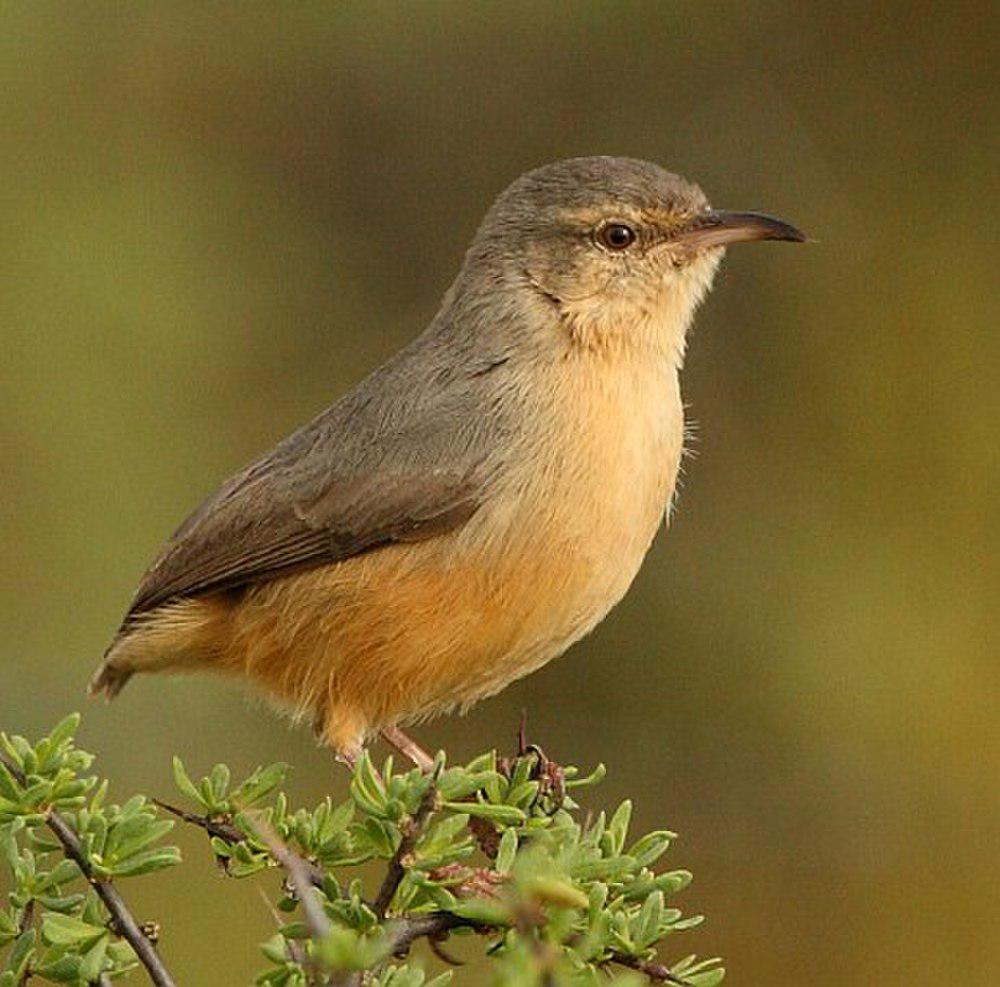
(412, 630)
(564, 550)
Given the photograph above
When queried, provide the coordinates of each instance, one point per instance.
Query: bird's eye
(616, 236)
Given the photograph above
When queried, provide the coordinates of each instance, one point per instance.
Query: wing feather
(407, 455)
(255, 534)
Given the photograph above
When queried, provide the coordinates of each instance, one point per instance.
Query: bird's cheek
(680, 270)
(565, 282)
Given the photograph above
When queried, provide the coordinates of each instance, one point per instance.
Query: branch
(214, 827)
(22, 926)
(655, 971)
(411, 833)
(403, 932)
(122, 919)
(231, 834)
(299, 877)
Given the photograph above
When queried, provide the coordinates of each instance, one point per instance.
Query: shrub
(496, 849)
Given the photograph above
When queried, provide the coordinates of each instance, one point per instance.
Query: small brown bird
(482, 500)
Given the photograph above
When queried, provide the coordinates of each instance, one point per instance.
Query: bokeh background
(217, 217)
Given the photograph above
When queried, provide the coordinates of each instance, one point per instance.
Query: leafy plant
(66, 846)
(494, 849)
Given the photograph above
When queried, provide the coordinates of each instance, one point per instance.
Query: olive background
(218, 217)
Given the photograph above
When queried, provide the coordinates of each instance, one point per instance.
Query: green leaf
(555, 891)
(673, 881)
(22, 954)
(343, 949)
(678, 925)
(367, 788)
(649, 848)
(603, 869)
(459, 783)
(506, 851)
(66, 904)
(443, 833)
(64, 730)
(64, 871)
(594, 778)
(259, 785)
(62, 968)
(93, 959)
(147, 862)
(136, 835)
(9, 788)
(618, 827)
(15, 748)
(9, 930)
(647, 926)
(219, 780)
(184, 783)
(708, 978)
(508, 814)
(66, 930)
(523, 794)
(485, 911)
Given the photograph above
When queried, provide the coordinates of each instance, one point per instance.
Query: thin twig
(295, 952)
(403, 932)
(411, 831)
(652, 969)
(297, 870)
(231, 834)
(214, 827)
(27, 916)
(123, 922)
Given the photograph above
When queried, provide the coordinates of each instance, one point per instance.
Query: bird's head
(618, 248)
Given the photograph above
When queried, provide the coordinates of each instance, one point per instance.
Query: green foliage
(496, 849)
(55, 926)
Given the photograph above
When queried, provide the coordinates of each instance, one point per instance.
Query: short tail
(109, 679)
(177, 635)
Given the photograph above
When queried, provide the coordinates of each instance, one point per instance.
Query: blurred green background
(217, 217)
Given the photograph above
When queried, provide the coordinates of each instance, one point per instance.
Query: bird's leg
(395, 737)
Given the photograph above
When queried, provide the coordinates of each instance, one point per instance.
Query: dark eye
(616, 236)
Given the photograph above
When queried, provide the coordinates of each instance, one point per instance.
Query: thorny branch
(123, 922)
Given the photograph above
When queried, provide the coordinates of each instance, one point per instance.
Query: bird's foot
(349, 756)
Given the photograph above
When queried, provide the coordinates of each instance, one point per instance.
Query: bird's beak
(719, 229)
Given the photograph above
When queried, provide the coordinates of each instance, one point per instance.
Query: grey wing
(337, 488)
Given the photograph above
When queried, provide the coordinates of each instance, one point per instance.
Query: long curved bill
(719, 229)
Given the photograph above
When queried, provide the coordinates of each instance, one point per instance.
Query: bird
(479, 502)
